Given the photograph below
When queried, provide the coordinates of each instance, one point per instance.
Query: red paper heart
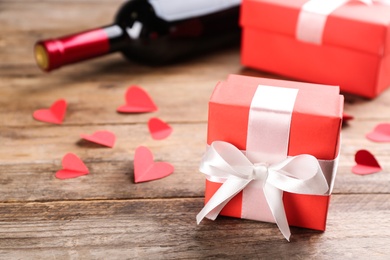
(347, 117)
(365, 163)
(159, 129)
(72, 167)
(55, 114)
(137, 101)
(381, 133)
(105, 138)
(145, 169)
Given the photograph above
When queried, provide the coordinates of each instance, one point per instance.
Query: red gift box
(350, 47)
(314, 129)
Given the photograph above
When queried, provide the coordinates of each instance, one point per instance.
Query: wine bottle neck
(54, 53)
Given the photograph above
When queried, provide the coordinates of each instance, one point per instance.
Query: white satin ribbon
(267, 141)
(300, 174)
(314, 14)
(171, 10)
(269, 123)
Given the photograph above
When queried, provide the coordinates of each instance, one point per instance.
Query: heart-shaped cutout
(159, 129)
(103, 137)
(55, 114)
(347, 117)
(72, 167)
(137, 101)
(381, 133)
(145, 169)
(365, 163)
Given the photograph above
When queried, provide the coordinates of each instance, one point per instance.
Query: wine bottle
(143, 36)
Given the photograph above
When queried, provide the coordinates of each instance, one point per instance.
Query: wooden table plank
(85, 93)
(166, 229)
(36, 152)
(95, 102)
(24, 146)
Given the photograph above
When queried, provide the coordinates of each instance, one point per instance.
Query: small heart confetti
(159, 129)
(365, 163)
(145, 169)
(347, 117)
(103, 137)
(137, 101)
(72, 167)
(381, 133)
(55, 114)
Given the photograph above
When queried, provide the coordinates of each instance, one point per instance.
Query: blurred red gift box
(338, 42)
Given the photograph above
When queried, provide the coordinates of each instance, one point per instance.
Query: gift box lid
(316, 118)
(354, 25)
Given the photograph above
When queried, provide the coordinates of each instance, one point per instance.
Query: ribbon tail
(274, 198)
(230, 188)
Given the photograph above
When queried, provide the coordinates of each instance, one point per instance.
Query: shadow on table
(238, 238)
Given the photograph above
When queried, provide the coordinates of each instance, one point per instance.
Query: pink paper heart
(55, 114)
(145, 169)
(159, 129)
(365, 163)
(103, 137)
(137, 101)
(72, 167)
(381, 133)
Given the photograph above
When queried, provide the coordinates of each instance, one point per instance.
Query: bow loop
(223, 160)
(300, 174)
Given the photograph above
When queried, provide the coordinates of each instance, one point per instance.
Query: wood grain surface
(105, 215)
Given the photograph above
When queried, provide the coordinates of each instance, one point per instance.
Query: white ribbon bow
(300, 174)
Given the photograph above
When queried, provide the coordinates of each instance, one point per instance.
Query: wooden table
(105, 215)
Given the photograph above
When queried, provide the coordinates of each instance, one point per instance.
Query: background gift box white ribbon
(314, 14)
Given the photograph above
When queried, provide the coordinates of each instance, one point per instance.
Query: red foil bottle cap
(48, 54)
(54, 53)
